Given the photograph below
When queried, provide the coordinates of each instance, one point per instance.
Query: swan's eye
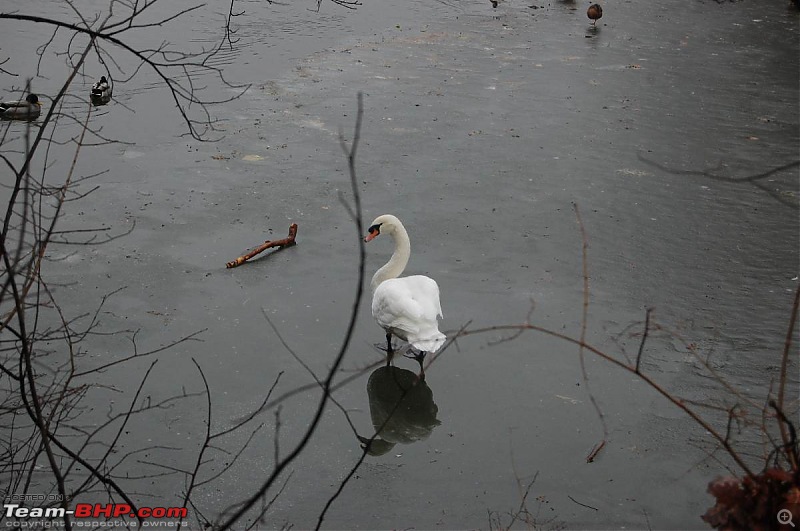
(373, 232)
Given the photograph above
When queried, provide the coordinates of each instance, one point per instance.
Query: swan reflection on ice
(401, 407)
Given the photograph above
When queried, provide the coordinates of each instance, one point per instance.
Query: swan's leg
(389, 349)
(420, 357)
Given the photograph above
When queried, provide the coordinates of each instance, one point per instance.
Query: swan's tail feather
(429, 344)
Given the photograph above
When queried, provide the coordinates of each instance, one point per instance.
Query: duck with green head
(101, 92)
(27, 109)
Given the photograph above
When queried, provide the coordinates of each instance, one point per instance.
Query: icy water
(672, 126)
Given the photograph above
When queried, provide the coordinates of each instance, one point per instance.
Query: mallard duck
(27, 109)
(594, 12)
(101, 92)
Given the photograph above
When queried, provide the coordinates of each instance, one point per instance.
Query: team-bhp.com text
(94, 511)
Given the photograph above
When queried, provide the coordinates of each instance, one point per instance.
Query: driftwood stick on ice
(286, 242)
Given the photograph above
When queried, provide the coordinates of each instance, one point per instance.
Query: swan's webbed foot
(391, 349)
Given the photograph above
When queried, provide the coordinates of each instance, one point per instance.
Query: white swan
(405, 307)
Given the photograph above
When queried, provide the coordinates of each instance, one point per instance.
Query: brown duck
(594, 12)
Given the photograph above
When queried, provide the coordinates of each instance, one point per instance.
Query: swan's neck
(397, 263)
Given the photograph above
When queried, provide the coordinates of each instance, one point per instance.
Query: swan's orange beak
(374, 231)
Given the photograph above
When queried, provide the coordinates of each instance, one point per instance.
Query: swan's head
(385, 224)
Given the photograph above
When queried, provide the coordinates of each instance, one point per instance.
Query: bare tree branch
(295, 452)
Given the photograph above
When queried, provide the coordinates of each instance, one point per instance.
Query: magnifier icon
(785, 517)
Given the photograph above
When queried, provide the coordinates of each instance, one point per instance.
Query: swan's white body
(407, 307)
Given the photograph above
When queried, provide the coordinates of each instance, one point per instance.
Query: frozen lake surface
(672, 126)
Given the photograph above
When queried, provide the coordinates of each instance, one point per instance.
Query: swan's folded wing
(394, 307)
(425, 291)
(407, 303)
(409, 307)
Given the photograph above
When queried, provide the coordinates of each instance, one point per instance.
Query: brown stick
(286, 242)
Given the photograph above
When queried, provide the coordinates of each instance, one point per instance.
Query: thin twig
(584, 319)
(300, 446)
(791, 446)
(644, 377)
(206, 440)
(582, 504)
(784, 364)
(595, 450)
(644, 338)
(308, 369)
